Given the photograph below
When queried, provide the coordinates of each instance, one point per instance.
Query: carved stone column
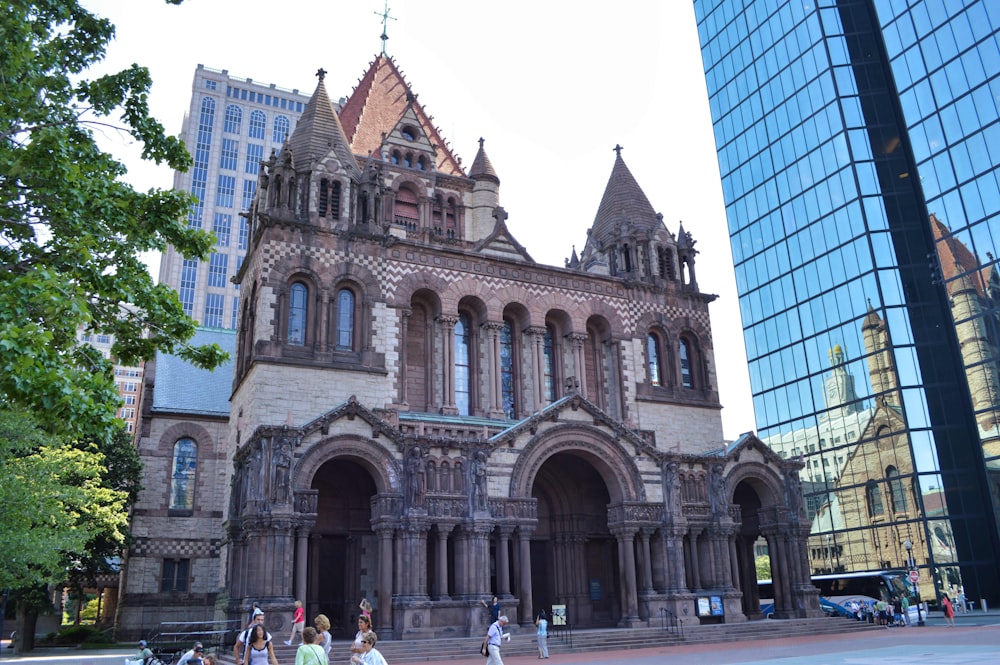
(503, 561)
(302, 563)
(492, 331)
(442, 560)
(645, 560)
(448, 363)
(536, 337)
(626, 550)
(696, 579)
(385, 574)
(524, 578)
(404, 331)
(580, 365)
(676, 559)
(658, 562)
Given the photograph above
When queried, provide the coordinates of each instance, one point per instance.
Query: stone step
(522, 642)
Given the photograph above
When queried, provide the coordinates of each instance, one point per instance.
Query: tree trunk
(25, 623)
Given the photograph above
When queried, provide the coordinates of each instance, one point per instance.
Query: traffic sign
(914, 576)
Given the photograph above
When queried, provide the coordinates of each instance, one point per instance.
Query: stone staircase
(522, 642)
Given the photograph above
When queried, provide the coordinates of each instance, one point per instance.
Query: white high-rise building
(231, 125)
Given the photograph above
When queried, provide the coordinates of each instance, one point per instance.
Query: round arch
(606, 455)
(370, 455)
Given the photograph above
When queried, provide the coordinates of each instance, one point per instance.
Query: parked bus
(837, 590)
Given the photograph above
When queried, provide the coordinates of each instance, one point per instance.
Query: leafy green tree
(763, 564)
(54, 504)
(71, 232)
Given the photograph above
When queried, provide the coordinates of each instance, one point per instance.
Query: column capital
(447, 320)
(538, 331)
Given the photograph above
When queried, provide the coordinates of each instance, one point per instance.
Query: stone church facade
(422, 415)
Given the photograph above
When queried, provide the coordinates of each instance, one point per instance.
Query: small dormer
(408, 146)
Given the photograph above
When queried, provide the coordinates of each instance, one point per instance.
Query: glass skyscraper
(859, 148)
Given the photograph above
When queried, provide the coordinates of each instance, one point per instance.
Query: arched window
(395, 157)
(185, 468)
(257, 122)
(873, 497)
(298, 308)
(686, 357)
(507, 391)
(549, 362)
(345, 319)
(281, 127)
(234, 119)
(408, 160)
(897, 493)
(463, 374)
(653, 359)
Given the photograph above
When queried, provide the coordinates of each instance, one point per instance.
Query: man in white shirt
(192, 657)
(493, 636)
(239, 649)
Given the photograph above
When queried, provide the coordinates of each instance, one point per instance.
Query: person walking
(298, 623)
(194, 656)
(949, 610)
(492, 641)
(543, 634)
(310, 652)
(240, 648)
(259, 649)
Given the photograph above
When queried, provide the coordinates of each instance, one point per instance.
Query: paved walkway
(975, 640)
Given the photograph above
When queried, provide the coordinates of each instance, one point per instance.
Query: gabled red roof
(954, 257)
(377, 104)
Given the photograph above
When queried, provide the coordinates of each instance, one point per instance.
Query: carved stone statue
(416, 478)
(282, 468)
(671, 489)
(479, 481)
(718, 493)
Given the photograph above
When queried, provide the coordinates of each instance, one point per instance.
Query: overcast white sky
(552, 87)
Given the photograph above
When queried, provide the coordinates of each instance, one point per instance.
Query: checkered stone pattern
(569, 288)
(175, 548)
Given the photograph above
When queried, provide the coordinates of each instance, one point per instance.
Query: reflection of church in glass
(861, 460)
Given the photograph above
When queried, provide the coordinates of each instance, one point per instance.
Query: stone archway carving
(372, 456)
(608, 456)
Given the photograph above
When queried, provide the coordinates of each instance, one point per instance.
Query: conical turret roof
(376, 106)
(624, 203)
(482, 169)
(319, 131)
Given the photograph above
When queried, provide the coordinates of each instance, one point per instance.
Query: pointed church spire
(318, 131)
(624, 205)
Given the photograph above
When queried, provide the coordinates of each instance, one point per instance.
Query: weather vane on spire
(385, 19)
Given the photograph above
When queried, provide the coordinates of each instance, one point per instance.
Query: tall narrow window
(896, 489)
(185, 467)
(324, 197)
(463, 383)
(873, 497)
(653, 358)
(345, 319)
(549, 363)
(507, 395)
(257, 122)
(297, 311)
(175, 574)
(281, 127)
(685, 356)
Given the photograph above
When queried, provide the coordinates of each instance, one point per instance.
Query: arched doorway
(749, 503)
(343, 551)
(574, 556)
